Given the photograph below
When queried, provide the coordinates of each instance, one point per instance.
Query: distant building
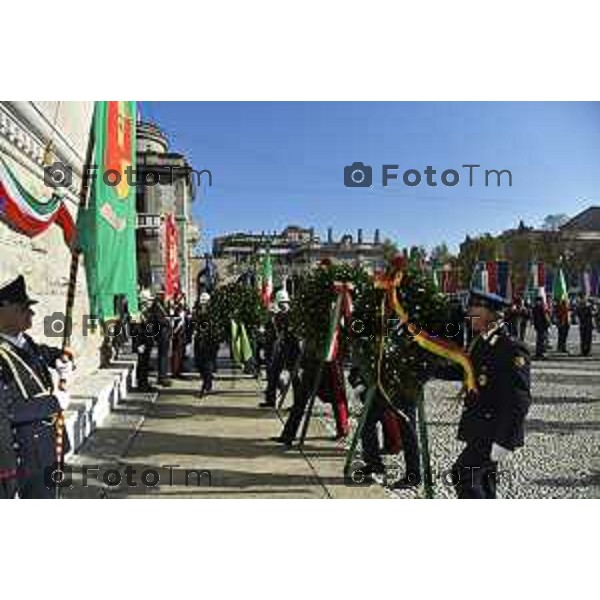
(296, 249)
(574, 245)
(173, 193)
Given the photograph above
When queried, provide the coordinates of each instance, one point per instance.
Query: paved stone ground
(227, 434)
(561, 457)
(224, 433)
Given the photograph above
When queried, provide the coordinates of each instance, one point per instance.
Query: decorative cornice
(24, 146)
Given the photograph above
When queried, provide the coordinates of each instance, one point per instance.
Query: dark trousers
(274, 368)
(164, 343)
(205, 358)
(371, 452)
(178, 353)
(33, 487)
(301, 388)
(540, 342)
(522, 329)
(474, 474)
(563, 334)
(8, 489)
(585, 335)
(205, 368)
(330, 390)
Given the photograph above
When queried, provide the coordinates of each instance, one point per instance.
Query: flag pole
(76, 250)
(75, 253)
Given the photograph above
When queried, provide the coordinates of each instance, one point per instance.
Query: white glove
(141, 349)
(498, 452)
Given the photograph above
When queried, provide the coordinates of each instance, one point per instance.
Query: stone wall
(25, 130)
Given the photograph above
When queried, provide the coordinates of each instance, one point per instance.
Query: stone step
(94, 397)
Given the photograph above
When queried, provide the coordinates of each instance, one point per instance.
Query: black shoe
(267, 404)
(165, 382)
(368, 473)
(377, 469)
(281, 440)
(406, 483)
(146, 388)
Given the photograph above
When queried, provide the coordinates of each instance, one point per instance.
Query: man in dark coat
(541, 324)
(585, 317)
(30, 414)
(284, 347)
(205, 345)
(492, 422)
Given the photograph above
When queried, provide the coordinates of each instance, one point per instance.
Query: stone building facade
(173, 192)
(32, 134)
(294, 250)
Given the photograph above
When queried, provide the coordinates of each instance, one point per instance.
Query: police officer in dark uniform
(156, 331)
(585, 317)
(205, 344)
(492, 423)
(144, 333)
(541, 324)
(30, 413)
(285, 347)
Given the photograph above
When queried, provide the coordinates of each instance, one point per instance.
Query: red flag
(492, 269)
(172, 273)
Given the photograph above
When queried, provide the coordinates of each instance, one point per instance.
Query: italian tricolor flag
(341, 310)
(559, 291)
(24, 213)
(266, 279)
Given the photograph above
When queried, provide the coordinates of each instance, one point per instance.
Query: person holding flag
(33, 440)
(561, 310)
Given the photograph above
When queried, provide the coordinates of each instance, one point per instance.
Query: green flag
(240, 343)
(235, 343)
(559, 287)
(106, 227)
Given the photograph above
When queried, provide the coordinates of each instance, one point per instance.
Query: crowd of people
(540, 316)
(493, 334)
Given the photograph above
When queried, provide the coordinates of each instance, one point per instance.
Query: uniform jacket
(539, 316)
(502, 368)
(27, 407)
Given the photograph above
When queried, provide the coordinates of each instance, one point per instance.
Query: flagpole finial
(48, 156)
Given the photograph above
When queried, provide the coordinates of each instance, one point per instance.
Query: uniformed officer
(144, 333)
(585, 316)
(541, 324)
(30, 412)
(158, 331)
(285, 347)
(205, 345)
(492, 423)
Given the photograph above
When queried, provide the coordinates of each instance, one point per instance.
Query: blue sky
(281, 163)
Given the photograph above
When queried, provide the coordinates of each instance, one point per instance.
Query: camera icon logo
(355, 476)
(58, 175)
(358, 175)
(58, 476)
(57, 325)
